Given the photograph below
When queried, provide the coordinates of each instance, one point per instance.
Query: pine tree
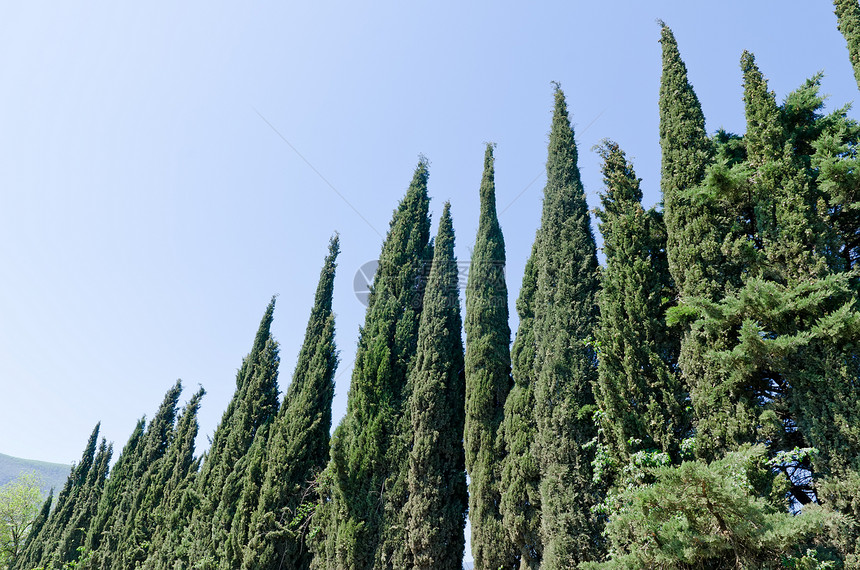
(488, 381)
(364, 496)
(848, 22)
(565, 314)
(274, 527)
(519, 485)
(437, 503)
(789, 364)
(641, 398)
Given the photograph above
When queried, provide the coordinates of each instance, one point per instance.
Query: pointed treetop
(265, 327)
(561, 165)
(622, 186)
(848, 22)
(765, 135)
(488, 186)
(682, 122)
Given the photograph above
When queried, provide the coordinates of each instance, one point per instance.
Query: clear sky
(165, 168)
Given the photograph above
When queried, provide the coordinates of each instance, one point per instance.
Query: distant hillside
(52, 474)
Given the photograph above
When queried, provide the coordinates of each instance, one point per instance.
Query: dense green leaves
(639, 393)
(488, 381)
(437, 503)
(270, 528)
(848, 17)
(694, 404)
(362, 522)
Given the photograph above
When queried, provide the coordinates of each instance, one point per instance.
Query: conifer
(437, 503)
(640, 396)
(41, 552)
(848, 22)
(488, 381)
(364, 496)
(219, 483)
(169, 505)
(686, 151)
(116, 485)
(113, 535)
(565, 315)
(281, 481)
(520, 479)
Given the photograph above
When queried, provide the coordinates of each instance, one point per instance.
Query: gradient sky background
(148, 211)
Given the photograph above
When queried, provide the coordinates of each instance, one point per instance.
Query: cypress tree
(697, 227)
(520, 472)
(169, 502)
(112, 534)
(364, 498)
(298, 449)
(519, 485)
(848, 22)
(437, 504)
(219, 484)
(565, 314)
(488, 381)
(116, 485)
(39, 553)
(640, 396)
(85, 506)
(136, 524)
(686, 151)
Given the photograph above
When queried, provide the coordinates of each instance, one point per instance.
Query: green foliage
(640, 393)
(488, 381)
(686, 151)
(20, 504)
(565, 310)
(437, 503)
(362, 525)
(700, 515)
(279, 497)
(519, 485)
(848, 17)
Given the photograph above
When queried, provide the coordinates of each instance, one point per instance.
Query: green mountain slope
(52, 474)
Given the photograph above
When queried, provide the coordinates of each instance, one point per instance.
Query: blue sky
(149, 209)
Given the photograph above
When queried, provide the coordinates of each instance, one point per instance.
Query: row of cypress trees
(691, 404)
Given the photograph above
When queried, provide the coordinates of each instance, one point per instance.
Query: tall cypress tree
(520, 479)
(686, 152)
(565, 315)
(273, 529)
(488, 381)
(100, 539)
(73, 536)
(848, 22)
(219, 484)
(176, 476)
(367, 451)
(112, 533)
(698, 224)
(437, 504)
(39, 553)
(640, 395)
